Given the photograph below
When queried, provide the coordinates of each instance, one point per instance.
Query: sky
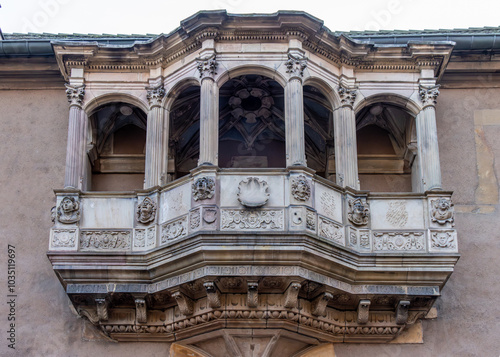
(155, 17)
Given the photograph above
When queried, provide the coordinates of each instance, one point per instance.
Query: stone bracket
(213, 295)
(402, 312)
(141, 313)
(318, 307)
(291, 295)
(186, 305)
(363, 311)
(253, 294)
(102, 309)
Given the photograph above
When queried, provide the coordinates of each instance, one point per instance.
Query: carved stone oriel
(295, 65)
(442, 211)
(155, 95)
(398, 241)
(359, 212)
(347, 96)
(68, 211)
(428, 95)
(252, 220)
(75, 94)
(105, 240)
(203, 188)
(301, 189)
(207, 67)
(146, 211)
(253, 192)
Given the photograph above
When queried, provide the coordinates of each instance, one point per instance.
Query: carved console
(282, 249)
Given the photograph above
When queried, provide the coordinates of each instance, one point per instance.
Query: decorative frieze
(301, 189)
(442, 211)
(253, 192)
(68, 211)
(174, 230)
(347, 96)
(63, 238)
(359, 212)
(428, 95)
(155, 96)
(146, 211)
(295, 65)
(207, 67)
(75, 94)
(331, 231)
(252, 220)
(203, 188)
(398, 241)
(105, 240)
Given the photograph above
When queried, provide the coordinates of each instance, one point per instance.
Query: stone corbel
(402, 312)
(291, 296)
(75, 94)
(141, 313)
(253, 294)
(428, 95)
(186, 305)
(363, 311)
(347, 95)
(89, 313)
(213, 295)
(318, 306)
(102, 309)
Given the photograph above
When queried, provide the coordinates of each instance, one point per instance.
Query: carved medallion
(442, 211)
(210, 215)
(359, 212)
(203, 188)
(301, 190)
(146, 211)
(253, 192)
(68, 211)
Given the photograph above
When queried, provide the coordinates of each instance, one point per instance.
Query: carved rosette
(146, 211)
(347, 96)
(359, 212)
(295, 65)
(68, 211)
(253, 192)
(203, 188)
(442, 211)
(301, 189)
(75, 94)
(207, 66)
(428, 95)
(155, 96)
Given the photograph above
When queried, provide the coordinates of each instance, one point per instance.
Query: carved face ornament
(146, 211)
(301, 190)
(203, 188)
(442, 211)
(359, 212)
(68, 210)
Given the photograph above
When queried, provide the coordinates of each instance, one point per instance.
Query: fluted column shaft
(428, 148)
(294, 123)
(154, 138)
(77, 134)
(209, 122)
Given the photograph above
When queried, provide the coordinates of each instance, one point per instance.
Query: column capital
(207, 66)
(155, 96)
(295, 65)
(75, 94)
(428, 95)
(347, 95)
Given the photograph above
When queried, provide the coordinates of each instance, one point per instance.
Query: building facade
(252, 185)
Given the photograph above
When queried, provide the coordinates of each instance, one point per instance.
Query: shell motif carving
(253, 192)
(301, 190)
(146, 211)
(359, 212)
(68, 211)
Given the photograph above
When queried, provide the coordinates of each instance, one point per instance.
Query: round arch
(107, 98)
(390, 98)
(177, 89)
(325, 89)
(251, 69)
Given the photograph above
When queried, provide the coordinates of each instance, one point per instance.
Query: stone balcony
(253, 248)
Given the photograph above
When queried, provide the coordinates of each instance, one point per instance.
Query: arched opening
(117, 147)
(386, 146)
(318, 132)
(251, 123)
(184, 143)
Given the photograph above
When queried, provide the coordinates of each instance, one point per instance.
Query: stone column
(154, 138)
(427, 139)
(294, 112)
(209, 112)
(346, 153)
(77, 133)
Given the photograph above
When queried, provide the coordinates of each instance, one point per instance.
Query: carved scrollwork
(301, 189)
(174, 230)
(155, 95)
(252, 220)
(347, 96)
(146, 211)
(331, 231)
(253, 192)
(207, 66)
(398, 241)
(442, 211)
(359, 212)
(105, 240)
(428, 95)
(75, 94)
(296, 65)
(203, 188)
(68, 211)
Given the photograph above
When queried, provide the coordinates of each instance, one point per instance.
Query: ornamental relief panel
(398, 241)
(68, 211)
(253, 192)
(105, 240)
(331, 231)
(443, 241)
(301, 189)
(145, 238)
(252, 219)
(359, 212)
(174, 230)
(146, 211)
(397, 215)
(442, 211)
(203, 188)
(195, 219)
(63, 238)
